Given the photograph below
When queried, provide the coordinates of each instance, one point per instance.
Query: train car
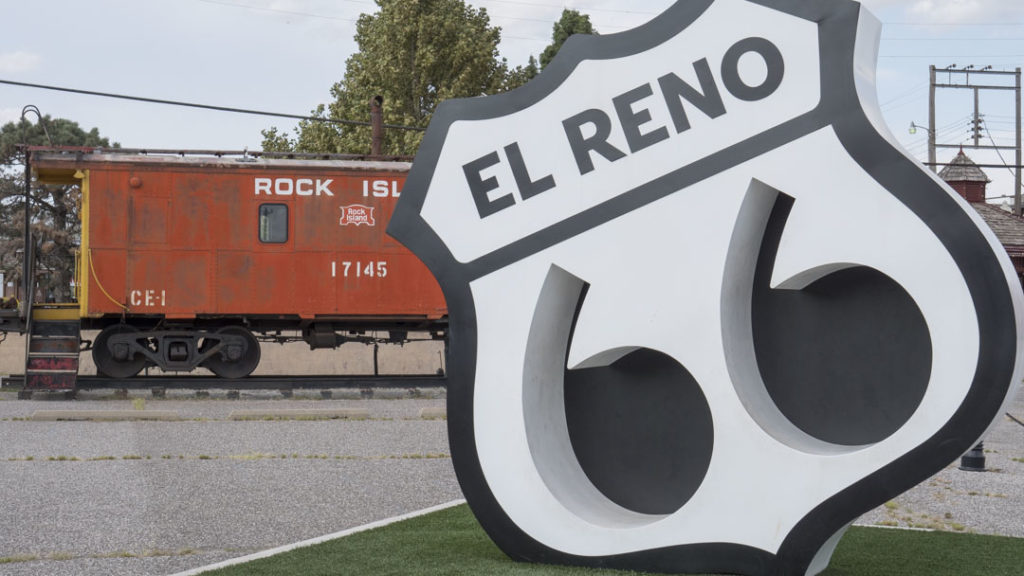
(188, 260)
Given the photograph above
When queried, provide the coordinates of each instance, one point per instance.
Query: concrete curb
(317, 540)
(301, 414)
(103, 415)
(430, 413)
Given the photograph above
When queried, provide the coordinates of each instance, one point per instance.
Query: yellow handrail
(100, 284)
(78, 276)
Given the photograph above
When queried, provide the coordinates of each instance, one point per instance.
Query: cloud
(20, 61)
(964, 11)
(950, 11)
(9, 115)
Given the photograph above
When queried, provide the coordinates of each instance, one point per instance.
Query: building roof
(962, 169)
(1009, 229)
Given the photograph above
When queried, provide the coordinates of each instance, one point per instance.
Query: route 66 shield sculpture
(704, 312)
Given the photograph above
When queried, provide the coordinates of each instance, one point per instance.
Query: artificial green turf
(450, 542)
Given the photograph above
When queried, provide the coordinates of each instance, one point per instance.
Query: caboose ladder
(51, 361)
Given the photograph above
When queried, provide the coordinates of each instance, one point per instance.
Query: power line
(963, 24)
(934, 56)
(355, 20)
(954, 39)
(998, 151)
(279, 11)
(204, 106)
(956, 127)
(613, 27)
(581, 10)
(339, 18)
(553, 6)
(908, 95)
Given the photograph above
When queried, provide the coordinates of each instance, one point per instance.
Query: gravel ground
(150, 498)
(955, 500)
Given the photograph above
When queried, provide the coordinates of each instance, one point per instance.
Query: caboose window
(273, 223)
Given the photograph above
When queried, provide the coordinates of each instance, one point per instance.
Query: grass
(19, 558)
(451, 542)
(305, 418)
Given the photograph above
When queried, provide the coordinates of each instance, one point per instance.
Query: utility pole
(1017, 180)
(966, 72)
(931, 119)
(976, 121)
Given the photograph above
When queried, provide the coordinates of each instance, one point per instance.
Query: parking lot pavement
(151, 498)
(141, 498)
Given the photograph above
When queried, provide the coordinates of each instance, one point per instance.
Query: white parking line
(317, 540)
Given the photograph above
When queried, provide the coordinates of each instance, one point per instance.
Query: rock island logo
(357, 215)
(705, 312)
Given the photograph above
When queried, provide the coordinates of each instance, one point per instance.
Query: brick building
(964, 176)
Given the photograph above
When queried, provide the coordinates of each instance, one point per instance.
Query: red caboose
(184, 258)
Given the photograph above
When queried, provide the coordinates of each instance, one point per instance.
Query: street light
(914, 127)
(26, 264)
(931, 142)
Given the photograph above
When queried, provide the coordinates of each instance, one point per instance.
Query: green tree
(571, 22)
(522, 74)
(55, 224)
(415, 54)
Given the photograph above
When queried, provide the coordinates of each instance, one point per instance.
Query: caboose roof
(59, 165)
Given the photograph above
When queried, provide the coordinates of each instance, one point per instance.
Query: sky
(284, 55)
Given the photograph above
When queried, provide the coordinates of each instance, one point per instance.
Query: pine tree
(55, 225)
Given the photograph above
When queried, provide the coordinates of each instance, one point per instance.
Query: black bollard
(974, 460)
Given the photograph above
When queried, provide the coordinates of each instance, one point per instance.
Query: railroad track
(255, 382)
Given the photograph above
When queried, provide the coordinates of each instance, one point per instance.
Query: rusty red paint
(50, 363)
(63, 346)
(179, 239)
(50, 381)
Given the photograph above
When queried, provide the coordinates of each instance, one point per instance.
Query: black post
(974, 460)
(26, 265)
(25, 272)
(376, 125)
(376, 346)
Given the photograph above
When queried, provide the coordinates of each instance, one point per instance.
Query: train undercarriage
(231, 348)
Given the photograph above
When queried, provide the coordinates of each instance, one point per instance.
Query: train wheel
(235, 361)
(113, 363)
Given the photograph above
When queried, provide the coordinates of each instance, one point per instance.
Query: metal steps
(69, 311)
(51, 362)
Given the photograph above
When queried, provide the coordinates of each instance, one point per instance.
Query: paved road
(139, 498)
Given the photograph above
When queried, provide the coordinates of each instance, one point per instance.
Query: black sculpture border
(839, 107)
